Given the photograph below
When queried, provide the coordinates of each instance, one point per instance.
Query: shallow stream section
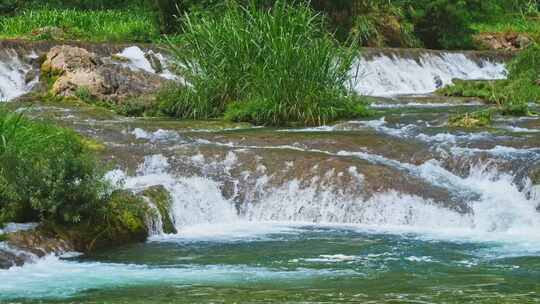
(397, 208)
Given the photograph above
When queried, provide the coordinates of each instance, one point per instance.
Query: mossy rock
(471, 120)
(162, 199)
(535, 176)
(93, 145)
(124, 224)
(119, 58)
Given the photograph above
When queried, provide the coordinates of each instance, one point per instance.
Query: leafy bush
(248, 58)
(46, 173)
(441, 23)
(7, 7)
(51, 175)
(375, 22)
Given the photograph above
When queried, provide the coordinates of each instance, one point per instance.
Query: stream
(397, 208)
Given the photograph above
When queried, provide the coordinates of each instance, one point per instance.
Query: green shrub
(484, 89)
(138, 107)
(46, 173)
(482, 118)
(7, 7)
(442, 24)
(281, 59)
(50, 174)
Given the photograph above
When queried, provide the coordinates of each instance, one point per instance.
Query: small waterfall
(393, 74)
(196, 200)
(500, 208)
(13, 76)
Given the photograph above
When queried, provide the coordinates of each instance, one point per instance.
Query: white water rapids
(503, 212)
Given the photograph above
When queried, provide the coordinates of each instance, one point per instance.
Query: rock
(503, 41)
(32, 75)
(70, 83)
(119, 58)
(522, 42)
(64, 59)
(49, 33)
(10, 258)
(155, 62)
(27, 243)
(438, 82)
(162, 200)
(76, 68)
(38, 242)
(121, 82)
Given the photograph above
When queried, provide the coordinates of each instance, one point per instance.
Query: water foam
(138, 60)
(52, 277)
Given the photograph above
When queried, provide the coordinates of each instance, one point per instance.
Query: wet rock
(10, 257)
(155, 62)
(26, 242)
(32, 75)
(38, 242)
(77, 68)
(64, 59)
(162, 200)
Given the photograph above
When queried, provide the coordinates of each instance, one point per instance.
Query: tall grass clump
(130, 24)
(272, 66)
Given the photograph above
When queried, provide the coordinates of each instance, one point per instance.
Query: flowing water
(394, 209)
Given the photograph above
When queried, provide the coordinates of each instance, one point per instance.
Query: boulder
(74, 68)
(162, 201)
(65, 59)
(154, 61)
(38, 242)
(503, 41)
(10, 257)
